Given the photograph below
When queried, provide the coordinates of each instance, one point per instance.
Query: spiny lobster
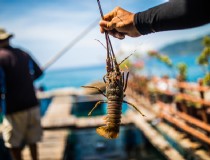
(116, 84)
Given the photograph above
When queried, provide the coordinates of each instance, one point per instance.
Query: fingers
(114, 33)
(106, 25)
(109, 22)
(102, 30)
(109, 16)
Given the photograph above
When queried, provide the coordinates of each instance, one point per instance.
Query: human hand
(119, 23)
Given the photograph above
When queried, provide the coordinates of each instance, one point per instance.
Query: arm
(37, 71)
(172, 15)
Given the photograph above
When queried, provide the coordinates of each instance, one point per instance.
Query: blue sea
(76, 77)
(70, 77)
(194, 71)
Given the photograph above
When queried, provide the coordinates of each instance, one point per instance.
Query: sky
(46, 27)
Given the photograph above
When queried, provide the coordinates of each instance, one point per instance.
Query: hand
(119, 23)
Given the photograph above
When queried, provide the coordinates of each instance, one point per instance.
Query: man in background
(21, 121)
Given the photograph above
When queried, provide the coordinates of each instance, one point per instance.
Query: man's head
(4, 37)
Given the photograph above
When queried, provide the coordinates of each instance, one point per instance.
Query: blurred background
(45, 28)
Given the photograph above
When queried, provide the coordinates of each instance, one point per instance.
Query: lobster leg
(99, 102)
(104, 79)
(126, 82)
(124, 59)
(123, 78)
(134, 107)
(95, 88)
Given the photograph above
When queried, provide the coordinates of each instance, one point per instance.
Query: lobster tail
(108, 131)
(112, 128)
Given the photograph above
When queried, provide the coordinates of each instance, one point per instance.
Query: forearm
(175, 14)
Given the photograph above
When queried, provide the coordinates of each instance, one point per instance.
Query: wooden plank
(193, 99)
(202, 154)
(51, 147)
(82, 122)
(180, 138)
(194, 121)
(186, 128)
(192, 86)
(156, 139)
(170, 131)
(53, 143)
(58, 113)
(189, 145)
(189, 119)
(58, 116)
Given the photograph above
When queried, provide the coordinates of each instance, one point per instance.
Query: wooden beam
(184, 116)
(194, 121)
(193, 99)
(190, 86)
(192, 131)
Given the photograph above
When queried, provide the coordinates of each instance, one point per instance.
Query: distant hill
(184, 47)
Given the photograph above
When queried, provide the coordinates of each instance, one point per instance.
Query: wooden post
(202, 111)
(183, 105)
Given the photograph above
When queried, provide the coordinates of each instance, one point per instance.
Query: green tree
(203, 59)
(182, 68)
(163, 58)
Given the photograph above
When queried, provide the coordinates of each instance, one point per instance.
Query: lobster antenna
(101, 43)
(110, 51)
(110, 66)
(109, 56)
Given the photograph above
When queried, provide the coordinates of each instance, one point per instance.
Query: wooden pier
(58, 122)
(53, 144)
(182, 117)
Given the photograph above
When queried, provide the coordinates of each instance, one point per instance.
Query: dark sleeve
(5, 58)
(173, 15)
(37, 70)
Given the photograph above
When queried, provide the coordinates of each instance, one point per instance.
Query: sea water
(70, 77)
(76, 77)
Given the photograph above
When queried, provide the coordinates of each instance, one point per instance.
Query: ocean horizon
(78, 76)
